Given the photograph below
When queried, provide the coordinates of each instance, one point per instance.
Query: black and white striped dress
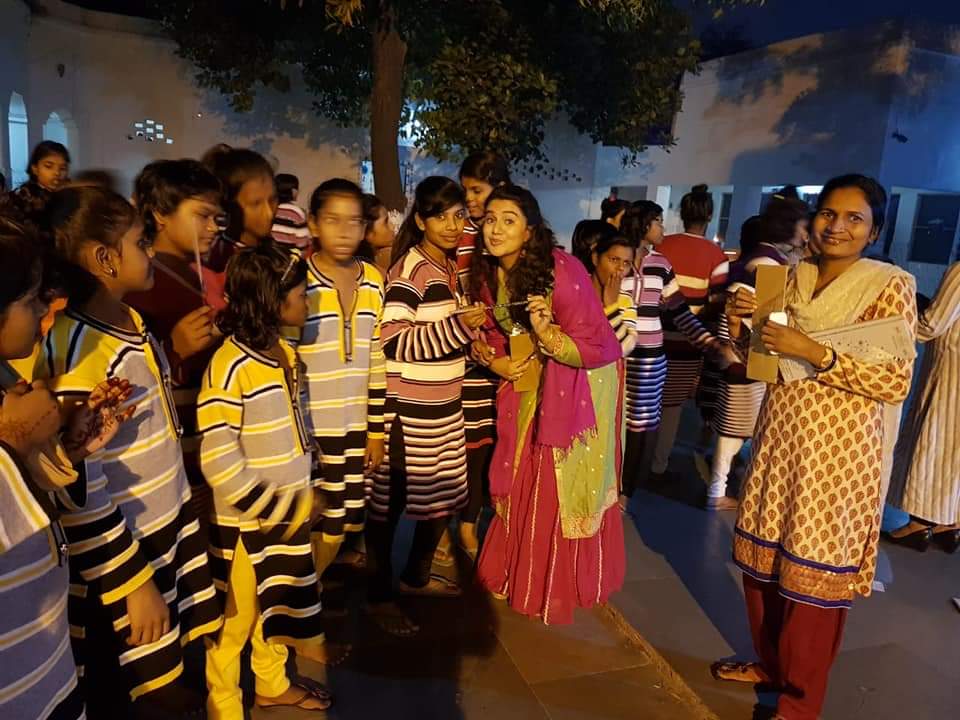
(738, 401)
(657, 296)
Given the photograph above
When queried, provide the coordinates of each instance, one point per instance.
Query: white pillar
(745, 204)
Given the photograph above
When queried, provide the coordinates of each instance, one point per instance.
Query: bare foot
(908, 529)
(722, 503)
(391, 619)
(468, 539)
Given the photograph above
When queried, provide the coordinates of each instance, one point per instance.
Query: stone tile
(492, 687)
(543, 653)
(890, 682)
(617, 695)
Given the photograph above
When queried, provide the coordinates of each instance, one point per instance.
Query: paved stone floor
(900, 658)
(475, 659)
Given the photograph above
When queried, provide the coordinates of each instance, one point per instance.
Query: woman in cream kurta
(927, 467)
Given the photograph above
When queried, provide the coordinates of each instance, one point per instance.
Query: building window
(934, 229)
(19, 137)
(55, 130)
(726, 201)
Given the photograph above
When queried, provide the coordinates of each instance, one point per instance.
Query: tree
(477, 73)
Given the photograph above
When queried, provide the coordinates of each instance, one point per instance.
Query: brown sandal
(313, 692)
(743, 672)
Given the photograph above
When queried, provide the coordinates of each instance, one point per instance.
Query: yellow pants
(242, 623)
(324, 552)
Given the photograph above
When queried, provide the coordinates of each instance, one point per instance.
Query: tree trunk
(386, 105)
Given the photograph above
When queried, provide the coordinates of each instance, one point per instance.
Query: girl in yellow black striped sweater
(140, 585)
(256, 456)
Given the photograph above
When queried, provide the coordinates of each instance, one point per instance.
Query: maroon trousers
(796, 644)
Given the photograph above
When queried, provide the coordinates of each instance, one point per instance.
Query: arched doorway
(54, 129)
(19, 138)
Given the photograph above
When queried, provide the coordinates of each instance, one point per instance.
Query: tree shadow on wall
(850, 89)
(291, 114)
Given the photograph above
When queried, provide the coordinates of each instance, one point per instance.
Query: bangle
(832, 354)
(553, 344)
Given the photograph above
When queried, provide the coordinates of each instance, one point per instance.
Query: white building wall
(14, 35)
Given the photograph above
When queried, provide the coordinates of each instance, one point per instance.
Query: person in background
(257, 456)
(377, 244)
(47, 171)
(808, 522)
(612, 259)
(701, 270)
(290, 221)
(344, 365)
(37, 670)
(480, 173)
(249, 201)
(424, 334)
(556, 541)
(656, 295)
(584, 238)
(926, 476)
(612, 210)
(776, 237)
(140, 584)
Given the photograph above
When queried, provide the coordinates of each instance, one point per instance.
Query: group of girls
(212, 414)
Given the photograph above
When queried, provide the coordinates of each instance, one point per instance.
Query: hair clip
(293, 261)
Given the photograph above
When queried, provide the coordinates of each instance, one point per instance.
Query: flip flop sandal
(301, 704)
(447, 588)
(444, 558)
(317, 689)
(737, 672)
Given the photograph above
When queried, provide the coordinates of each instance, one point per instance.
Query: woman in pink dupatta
(556, 541)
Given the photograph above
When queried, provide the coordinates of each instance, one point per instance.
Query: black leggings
(478, 465)
(636, 461)
(380, 533)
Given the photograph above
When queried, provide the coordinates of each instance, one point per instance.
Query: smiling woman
(809, 517)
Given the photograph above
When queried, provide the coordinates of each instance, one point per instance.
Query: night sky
(784, 19)
(777, 20)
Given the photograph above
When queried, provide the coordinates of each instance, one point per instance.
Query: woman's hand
(96, 421)
(475, 317)
(509, 369)
(791, 342)
(373, 456)
(540, 314)
(148, 613)
(482, 353)
(29, 418)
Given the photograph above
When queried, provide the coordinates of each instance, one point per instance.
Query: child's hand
(476, 316)
(148, 613)
(482, 353)
(373, 457)
(611, 289)
(96, 421)
(194, 333)
(30, 416)
(511, 370)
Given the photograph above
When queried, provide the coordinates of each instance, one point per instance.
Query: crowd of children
(228, 396)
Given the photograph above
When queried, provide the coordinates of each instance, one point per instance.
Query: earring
(112, 272)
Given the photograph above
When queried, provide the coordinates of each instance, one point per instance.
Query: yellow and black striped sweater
(256, 456)
(136, 523)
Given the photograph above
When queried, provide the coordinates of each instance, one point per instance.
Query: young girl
(611, 257)
(480, 173)
(424, 339)
(256, 456)
(378, 238)
(37, 673)
(340, 346)
(140, 584)
(47, 171)
(179, 201)
(249, 203)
